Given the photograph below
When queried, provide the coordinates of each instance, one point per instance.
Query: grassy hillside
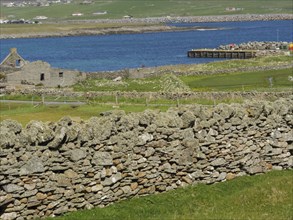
(150, 8)
(262, 197)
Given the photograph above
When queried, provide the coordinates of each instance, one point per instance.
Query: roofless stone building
(21, 72)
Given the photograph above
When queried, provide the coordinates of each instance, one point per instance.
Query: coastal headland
(124, 26)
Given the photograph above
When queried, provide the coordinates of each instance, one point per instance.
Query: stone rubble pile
(256, 45)
(263, 47)
(48, 169)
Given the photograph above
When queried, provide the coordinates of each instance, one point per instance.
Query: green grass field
(248, 81)
(261, 197)
(272, 80)
(23, 113)
(150, 8)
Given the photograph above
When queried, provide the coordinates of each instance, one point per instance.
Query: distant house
(86, 2)
(100, 13)
(77, 14)
(41, 17)
(234, 9)
(127, 16)
(22, 72)
(8, 4)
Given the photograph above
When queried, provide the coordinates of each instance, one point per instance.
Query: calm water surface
(122, 51)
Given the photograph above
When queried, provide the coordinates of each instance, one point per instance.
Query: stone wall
(253, 95)
(48, 169)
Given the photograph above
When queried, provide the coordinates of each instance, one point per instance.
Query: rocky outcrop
(48, 169)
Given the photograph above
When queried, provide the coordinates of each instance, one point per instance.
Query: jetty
(229, 54)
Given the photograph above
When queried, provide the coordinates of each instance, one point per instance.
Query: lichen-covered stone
(34, 165)
(102, 158)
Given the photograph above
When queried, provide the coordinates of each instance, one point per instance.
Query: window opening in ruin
(18, 62)
(42, 76)
(60, 74)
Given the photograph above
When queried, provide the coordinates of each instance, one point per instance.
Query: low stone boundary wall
(48, 169)
(150, 95)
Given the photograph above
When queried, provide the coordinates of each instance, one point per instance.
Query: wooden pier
(229, 54)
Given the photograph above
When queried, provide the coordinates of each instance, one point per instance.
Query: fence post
(177, 100)
(116, 98)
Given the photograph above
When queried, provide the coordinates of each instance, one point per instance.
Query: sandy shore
(158, 24)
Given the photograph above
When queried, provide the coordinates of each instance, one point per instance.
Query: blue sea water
(122, 51)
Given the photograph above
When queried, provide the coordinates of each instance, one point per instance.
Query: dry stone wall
(69, 93)
(48, 169)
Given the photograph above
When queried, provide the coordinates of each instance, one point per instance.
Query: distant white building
(100, 13)
(41, 17)
(234, 9)
(77, 14)
(8, 4)
(86, 2)
(127, 16)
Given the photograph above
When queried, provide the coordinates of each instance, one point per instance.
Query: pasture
(148, 8)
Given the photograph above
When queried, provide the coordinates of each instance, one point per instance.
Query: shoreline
(192, 19)
(109, 31)
(155, 24)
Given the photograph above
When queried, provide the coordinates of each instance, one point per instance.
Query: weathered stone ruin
(20, 72)
(13, 60)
